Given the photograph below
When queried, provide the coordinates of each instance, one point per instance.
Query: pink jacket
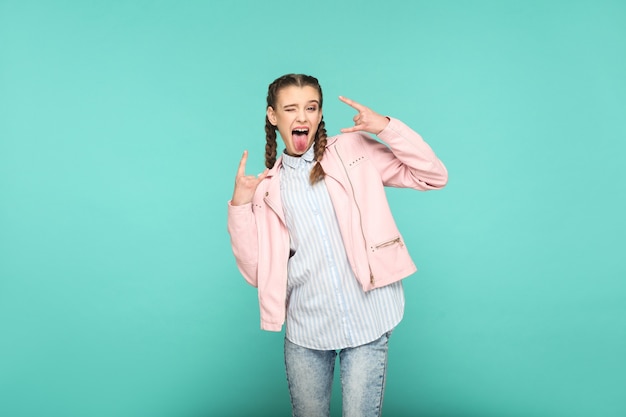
(357, 169)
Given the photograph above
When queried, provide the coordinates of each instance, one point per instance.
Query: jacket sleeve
(244, 241)
(408, 161)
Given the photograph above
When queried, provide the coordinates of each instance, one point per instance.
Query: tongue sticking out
(300, 141)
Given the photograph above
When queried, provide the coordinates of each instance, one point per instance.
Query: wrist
(384, 125)
(238, 201)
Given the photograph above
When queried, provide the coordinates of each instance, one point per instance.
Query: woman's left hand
(366, 120)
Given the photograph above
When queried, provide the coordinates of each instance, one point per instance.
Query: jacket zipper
(372, 280)
(389, 243)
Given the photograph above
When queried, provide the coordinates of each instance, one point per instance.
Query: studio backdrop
(121, 127)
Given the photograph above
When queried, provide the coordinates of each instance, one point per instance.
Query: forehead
(297, 95)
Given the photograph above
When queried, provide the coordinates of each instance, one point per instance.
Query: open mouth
(300, 137)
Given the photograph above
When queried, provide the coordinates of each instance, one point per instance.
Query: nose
(302, 115)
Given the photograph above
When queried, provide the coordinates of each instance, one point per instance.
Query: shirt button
(267, 193)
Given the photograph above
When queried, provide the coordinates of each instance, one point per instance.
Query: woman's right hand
(245, 185)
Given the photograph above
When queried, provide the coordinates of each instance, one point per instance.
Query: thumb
(263, 174)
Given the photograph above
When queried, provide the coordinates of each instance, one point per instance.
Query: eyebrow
(295, 105)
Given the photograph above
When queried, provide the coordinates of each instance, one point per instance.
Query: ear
(271, 115)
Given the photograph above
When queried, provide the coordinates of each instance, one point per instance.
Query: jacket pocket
(389, 261)
(395, 241)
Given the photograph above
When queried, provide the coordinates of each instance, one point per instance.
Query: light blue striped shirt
(326, 306)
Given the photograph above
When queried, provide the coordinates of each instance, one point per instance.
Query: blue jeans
(310, 377)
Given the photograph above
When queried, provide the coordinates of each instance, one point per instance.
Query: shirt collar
(294, 161)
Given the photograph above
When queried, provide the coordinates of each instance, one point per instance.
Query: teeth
(301, 130)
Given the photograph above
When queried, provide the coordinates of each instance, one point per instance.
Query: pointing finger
(241, 171)
(352, 103)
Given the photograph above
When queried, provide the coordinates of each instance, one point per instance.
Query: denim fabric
(362, 369)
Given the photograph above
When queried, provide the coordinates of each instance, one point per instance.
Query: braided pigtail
(317, 173)
(270, 144)
(298, 80)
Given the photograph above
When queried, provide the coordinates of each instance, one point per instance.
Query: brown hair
(319, 144)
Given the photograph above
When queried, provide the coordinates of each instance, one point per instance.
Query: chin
(293, 153)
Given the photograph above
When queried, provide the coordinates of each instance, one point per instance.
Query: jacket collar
(334, 170)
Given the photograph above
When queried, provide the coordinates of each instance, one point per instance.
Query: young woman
(315, 235)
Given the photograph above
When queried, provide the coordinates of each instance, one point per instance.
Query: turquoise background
(121, 127)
